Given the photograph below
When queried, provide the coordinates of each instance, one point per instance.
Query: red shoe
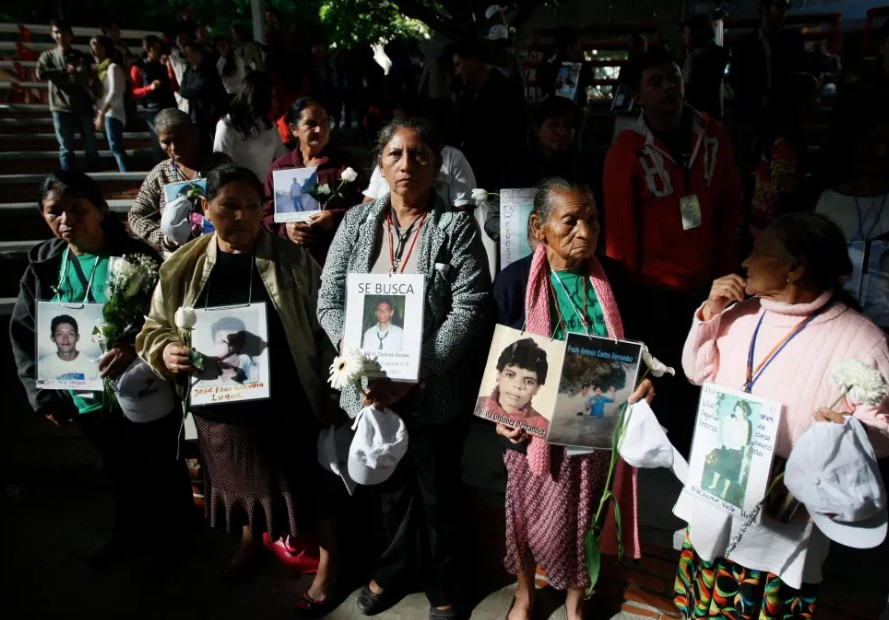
(300, 554)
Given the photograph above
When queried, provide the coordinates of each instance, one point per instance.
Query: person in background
(246, 134)
(570, 50)
(202, 37)
(231, 67)
(111, 116)
(112, 31)
(202, 87)
(246, 48)
(825, 66)
(637, 45)
(68, 72)
(704, 67)
(179, 62)
(672, 213)
(151, 82)
(501, 54)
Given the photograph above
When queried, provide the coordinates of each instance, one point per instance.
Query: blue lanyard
(753, 377)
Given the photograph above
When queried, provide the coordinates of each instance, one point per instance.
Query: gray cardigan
(457, 300)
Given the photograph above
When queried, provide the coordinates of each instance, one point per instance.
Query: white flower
(349, 175)
(186, 317)
(656, 366)
(479, 196)
(863, 382)
(346, 369)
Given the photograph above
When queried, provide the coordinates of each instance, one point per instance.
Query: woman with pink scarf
(551, 497)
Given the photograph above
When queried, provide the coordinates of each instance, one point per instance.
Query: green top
(75, 273)
(572, 305)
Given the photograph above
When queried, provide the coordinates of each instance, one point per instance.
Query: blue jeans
(66, 124)
(114, 133)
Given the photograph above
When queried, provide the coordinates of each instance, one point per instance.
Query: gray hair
(543, 203)
(169, 119)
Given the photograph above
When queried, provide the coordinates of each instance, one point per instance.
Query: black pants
(421, 513)
(152, 492)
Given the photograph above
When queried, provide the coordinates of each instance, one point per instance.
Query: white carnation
(657, 367)
(479, 196)
(346, 369)
(864, 383)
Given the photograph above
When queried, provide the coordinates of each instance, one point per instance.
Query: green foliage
(354, 23)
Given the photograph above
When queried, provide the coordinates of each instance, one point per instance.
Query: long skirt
(725, 589)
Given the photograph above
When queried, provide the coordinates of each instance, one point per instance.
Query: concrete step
(23, 208)
(42, 141)
(23, 162)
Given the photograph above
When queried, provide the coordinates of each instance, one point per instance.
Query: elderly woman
(550, 497)
(152, 496)
(178, 136)
(791, 294)
(422, 496)
(310, 126)
(259, 456)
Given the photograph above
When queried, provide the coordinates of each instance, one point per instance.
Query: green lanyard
(63, 277)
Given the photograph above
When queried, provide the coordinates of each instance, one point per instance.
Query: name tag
(690, 210)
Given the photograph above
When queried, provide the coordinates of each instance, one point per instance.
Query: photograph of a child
(67, 354)
(727, 466)
(293, 202)
(519, 386)
(383, 323)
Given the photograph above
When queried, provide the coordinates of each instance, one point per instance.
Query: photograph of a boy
(521, 371)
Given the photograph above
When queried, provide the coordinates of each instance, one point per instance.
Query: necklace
(395, 256)
(862, 217)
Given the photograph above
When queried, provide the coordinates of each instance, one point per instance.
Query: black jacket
(205, 93)
(42, 274)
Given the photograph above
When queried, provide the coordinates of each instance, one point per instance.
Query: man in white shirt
(384, 336)
(67, 363)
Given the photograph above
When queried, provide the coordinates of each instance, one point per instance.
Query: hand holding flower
(829, 415)
(644, 391)
(177, 359)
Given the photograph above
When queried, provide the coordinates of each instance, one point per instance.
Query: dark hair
(649, 59)
(700, 29)
(298, 107)
(108, 45)
(553, 107)
(230, 66)
(150, 40)
(818, 243)
(61, 320)
(471, 48)
(225, 174)
(62, 24)
(243, 32)
(425, 131)
(227, 323)
(249, 110)
(525, 353)
(74, 184)
(745, 406)
(170, 118)
(386, 301)
(543, 204)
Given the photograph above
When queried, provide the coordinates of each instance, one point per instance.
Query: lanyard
(181, 175)
(754, 375)
(63, 277)
(583, 320)
(395, 259)
(863, 217)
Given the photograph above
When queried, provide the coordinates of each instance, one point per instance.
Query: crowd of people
(709, 269)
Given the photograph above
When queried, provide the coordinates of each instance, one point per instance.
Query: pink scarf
(538, 321)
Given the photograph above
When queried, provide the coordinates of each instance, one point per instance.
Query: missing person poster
(67, 354)
(235, 345)
(732, 449)
(515, 209)
(384, 319)
(521, 380)
(598, 376)
(568, 80)
(293, 202)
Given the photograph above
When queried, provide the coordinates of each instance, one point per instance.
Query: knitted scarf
(102, 69)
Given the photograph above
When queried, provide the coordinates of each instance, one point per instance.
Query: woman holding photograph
(411, 230)
(152, 495)
(310, 128)
(776, 333)
(550, 497)
(260, 460)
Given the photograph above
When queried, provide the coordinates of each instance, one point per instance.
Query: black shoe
(437, 614)
(371, 604)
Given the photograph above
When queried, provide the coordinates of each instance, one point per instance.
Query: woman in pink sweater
(794, 278)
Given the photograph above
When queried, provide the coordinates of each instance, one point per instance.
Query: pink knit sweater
(716, 352)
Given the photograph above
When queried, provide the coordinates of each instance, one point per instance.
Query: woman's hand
(299, 232)
(724, 291)
(99, 122)
(115, 361)
(828, 415)
(57, 419)
(515, 436)
(645, 391)
(383, 392)
(176, 358)
(321, 220)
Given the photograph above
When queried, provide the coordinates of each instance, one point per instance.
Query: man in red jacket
(672, 211)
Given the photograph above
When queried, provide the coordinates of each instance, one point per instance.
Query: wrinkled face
(572, 230)
(236, 213)
(384, 313)
(62, 38)
(661, 90)
(65, 338)
(517, 387)
(409, 165)
(557, 133)
(73, 219)
(180, 143)
(313, 128)
(768, 265)
(227, 343)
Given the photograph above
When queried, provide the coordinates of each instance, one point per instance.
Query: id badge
(690, 210)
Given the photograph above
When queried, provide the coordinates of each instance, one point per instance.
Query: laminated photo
(67, 353)
(515, 209)
(235, 347)
(568, 80)
(190, 190)
(598, 376)
(384, 320)
(293, 202)
(521, 380)
(733, 449)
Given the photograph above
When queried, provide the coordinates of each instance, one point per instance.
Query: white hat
(832, 470)
(142, 395)
(379, 443)
(492, 10)
(176, 219)
(498, 32)
(646, 445)
(333, 453)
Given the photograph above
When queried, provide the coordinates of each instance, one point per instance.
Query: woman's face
(556, 134)
(409, 165)
(236, 213)
(97, 50)
(768, 265)
(517, 387)
(313, 128)
(180, 144)
(75, 220)
(572, 230)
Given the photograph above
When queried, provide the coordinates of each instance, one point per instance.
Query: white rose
(657, 367)
(479, 196)
(349, 175)
(185, 317)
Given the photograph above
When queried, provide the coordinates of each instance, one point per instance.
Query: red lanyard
(402, 263)
(753, 375)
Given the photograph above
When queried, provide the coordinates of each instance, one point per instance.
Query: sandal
(307, 607)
